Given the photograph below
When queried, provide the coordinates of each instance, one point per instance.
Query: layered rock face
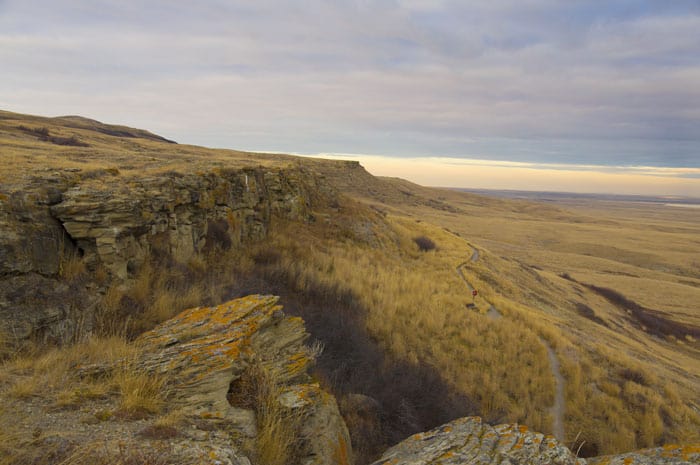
(115, 224)
(204, 351)
(178, 214)
(470, 441)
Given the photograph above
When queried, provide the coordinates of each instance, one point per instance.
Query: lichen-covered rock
(470, 441)
(202, 350)
(667, 455)
(205, 349)
(323, 424)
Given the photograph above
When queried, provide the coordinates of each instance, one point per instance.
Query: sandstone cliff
(115, 223)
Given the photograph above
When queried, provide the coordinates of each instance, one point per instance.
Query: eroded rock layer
(116, 224)
(203, 352)
(470, 441)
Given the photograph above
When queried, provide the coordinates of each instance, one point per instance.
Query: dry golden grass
(71, 266)
(108, 156)
(119, 454)
(53, 379)
(278, 428)
(646, 253)
(417, 308)
(139, 392)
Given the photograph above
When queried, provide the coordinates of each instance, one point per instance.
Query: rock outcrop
(114, 223)
(205, 351)
(215, 405)
(120, 223)
(470, 441)
(667, 455)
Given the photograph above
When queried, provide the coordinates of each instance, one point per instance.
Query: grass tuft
(141, 393)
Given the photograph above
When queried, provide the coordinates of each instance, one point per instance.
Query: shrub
(424, 243)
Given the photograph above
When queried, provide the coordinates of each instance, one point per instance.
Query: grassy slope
(625, 389)
(627, 386)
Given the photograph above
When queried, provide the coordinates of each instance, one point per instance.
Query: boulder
(470, 441)
(666, 455)
(203, 352)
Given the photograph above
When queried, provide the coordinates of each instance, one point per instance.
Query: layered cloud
(589, 82)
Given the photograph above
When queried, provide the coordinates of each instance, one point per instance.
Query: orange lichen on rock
(298, 363)
(202, 349)
(469, 440)
(520, 443)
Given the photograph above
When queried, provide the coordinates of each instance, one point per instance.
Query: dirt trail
(557, 409)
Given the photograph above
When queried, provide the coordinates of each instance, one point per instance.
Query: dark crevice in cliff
(383, 399)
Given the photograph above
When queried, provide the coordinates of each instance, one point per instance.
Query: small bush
(44, 135)
(217, 235)
(71, 141)
(424, 243)
(267, 256)
(634, 375)
(6, 345)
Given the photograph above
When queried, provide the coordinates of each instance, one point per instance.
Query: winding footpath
(557, 409)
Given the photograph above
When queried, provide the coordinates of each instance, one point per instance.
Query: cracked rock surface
(470, 441)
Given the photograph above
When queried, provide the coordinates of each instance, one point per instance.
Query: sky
(587, 96)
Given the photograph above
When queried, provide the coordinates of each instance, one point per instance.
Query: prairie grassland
(106, 153)
(417, 308)
(629, 383)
